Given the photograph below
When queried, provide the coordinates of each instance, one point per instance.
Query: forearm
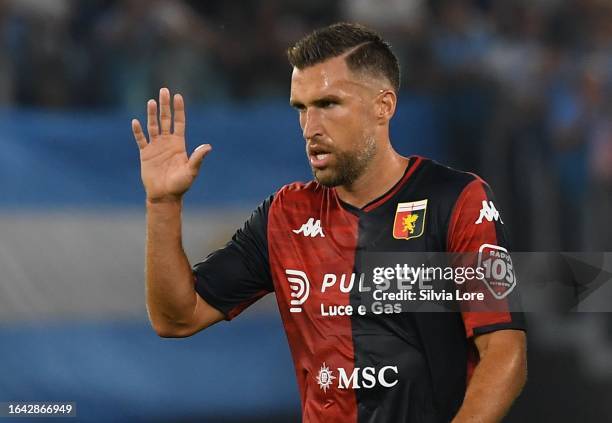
(170, 292)
(496, 382)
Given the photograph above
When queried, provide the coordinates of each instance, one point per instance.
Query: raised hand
(167, 171)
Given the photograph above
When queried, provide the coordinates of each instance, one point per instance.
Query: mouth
(319, 157)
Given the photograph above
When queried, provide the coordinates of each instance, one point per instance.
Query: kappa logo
(489, 212)
(300, 289)
(357, 378)
(311, 228)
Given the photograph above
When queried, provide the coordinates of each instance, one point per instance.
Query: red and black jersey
(355, 364)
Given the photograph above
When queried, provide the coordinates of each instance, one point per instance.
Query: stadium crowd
(523, 87)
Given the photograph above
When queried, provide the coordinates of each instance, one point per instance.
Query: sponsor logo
(498, 270)
(311, 228)
(325, 377)
(488, 212)
(358, 378)
(392, 288)
(409, 220)
(300, 289)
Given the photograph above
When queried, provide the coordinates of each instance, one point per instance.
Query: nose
(311, 124)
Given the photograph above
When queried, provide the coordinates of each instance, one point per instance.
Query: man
(352, 364)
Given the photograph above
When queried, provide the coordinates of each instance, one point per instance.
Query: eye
(326, 104)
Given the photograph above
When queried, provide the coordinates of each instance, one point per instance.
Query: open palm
(166, 169)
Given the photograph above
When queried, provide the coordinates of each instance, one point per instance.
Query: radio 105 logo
(498, 270)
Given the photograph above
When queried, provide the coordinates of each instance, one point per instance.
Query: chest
(323, 257)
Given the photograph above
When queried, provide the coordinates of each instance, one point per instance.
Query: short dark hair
(370, 52)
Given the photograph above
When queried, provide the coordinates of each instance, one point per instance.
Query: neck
(385, 170)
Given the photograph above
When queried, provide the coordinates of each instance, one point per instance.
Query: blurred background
(516, 91)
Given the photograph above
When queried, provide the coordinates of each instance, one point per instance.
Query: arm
(498, 378)
(501, 371)
(174, 307)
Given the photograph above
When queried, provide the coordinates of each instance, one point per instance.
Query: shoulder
(445, 179)
(300, 188)
(445, 186)
(299, 193)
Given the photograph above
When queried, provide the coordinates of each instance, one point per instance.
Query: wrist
(164, 204)
(170, 199)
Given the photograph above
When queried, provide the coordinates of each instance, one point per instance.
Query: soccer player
(354, 362)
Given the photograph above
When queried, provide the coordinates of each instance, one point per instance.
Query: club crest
(409, 220)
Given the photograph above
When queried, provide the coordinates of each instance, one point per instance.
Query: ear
(385, 106)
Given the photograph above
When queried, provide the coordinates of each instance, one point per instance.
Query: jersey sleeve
(476, 233)
(235, 276)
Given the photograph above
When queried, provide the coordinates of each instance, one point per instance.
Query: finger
(165, 117)
(179, 115)
(152, 127)
(138, 134)
(195, 161)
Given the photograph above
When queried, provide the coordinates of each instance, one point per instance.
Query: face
(337, 111)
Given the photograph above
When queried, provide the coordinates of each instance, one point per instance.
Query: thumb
(195, 161)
